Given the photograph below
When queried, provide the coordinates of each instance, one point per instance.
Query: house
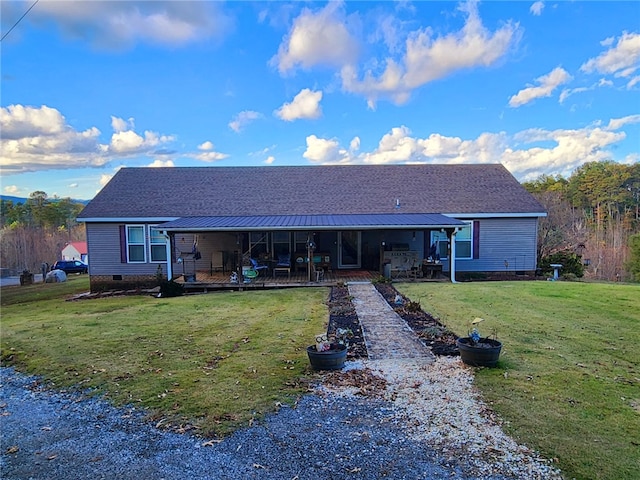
(75, 251)
(472, 218)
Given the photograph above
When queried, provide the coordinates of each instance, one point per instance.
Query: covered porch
(204, 281)
(227, 252)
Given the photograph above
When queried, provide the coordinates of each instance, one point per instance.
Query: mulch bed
(342, 314)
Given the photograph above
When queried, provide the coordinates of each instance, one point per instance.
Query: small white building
(76, 251)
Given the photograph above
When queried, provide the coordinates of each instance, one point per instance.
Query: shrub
(171, 289)
(571, 264)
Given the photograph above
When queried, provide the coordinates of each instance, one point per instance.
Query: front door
(349, 249)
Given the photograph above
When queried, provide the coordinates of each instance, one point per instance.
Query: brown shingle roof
(310, 190)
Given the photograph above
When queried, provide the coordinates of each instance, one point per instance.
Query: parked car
(71, 266)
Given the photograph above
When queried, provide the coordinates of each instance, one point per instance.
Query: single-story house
(158, 221)
(75, 251)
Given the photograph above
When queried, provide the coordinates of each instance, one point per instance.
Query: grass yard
(568, 382)
(212, 362)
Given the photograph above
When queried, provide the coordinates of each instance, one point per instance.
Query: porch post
(169, 256)
(452, 258)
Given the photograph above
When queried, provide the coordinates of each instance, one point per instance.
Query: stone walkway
(386, 335)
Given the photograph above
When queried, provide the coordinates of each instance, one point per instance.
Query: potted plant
(330, 354)
(478, 351)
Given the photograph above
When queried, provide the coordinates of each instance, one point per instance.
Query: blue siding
(506, 245)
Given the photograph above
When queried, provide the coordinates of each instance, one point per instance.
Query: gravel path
(342, 431)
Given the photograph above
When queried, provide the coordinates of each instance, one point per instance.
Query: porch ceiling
(316, 222)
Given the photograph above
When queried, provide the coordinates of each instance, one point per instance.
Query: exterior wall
(505, 245)
(107, 270)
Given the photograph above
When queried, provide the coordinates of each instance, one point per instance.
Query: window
(157, 245)
(258, 244)
(300, 239)
(464, 243)
(135, 244)
(281, 243)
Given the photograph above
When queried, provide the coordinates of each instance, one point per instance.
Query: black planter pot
(484, 354)
(332, 359)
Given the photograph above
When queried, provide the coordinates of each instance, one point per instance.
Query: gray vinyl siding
(506, 245)
(103, 243)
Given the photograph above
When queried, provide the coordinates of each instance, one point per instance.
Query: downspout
(169, 256)
(453, 255)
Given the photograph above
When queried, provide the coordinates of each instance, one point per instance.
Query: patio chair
(318, 272)
(257, 267)
(283, 265)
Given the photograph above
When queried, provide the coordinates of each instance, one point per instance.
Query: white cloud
(320, 150)
(317, 38)
(39, 138)
(243, 119)
(429, 57)
(73, 185)
(548, 83)
(11, 189)
(104, 179)
(633, 82)
(564, 149)
(161, 163)
(121, 125)
(208, 153)
(270, 159)
(620, 60)
(536, 8)
(305, 104)
(618, 123)
(116, 25)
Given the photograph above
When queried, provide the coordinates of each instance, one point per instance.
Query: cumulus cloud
(39, 138)
(321, 150)
(305, 104)
(621, 59)
(429, 57)
(564, 149)
(208, 153)
(317, 38)
(547, 84)
(11, 189)
(161, 163)
(536, 8)
(241, 120)
(117, 25)
(270, 159)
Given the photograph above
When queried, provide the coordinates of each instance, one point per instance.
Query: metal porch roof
(317, 222)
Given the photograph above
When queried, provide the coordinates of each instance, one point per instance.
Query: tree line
(594, 217)
(37, 230)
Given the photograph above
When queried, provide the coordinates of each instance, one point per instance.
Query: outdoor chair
(318, 272)
(257, 267)
(283, 265)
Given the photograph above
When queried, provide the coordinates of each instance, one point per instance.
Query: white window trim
(144, 243)
(164, 245)
(470, 257)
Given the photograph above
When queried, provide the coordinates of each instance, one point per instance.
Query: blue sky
(89, 87)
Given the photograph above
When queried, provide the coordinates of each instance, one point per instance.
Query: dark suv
(71, 266)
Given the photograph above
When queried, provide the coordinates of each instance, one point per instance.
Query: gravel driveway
(336, 433)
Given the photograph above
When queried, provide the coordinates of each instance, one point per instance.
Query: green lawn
(215, 361)
(568, 383)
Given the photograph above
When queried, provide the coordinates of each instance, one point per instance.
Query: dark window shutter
(476, 239)
(123, 244)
